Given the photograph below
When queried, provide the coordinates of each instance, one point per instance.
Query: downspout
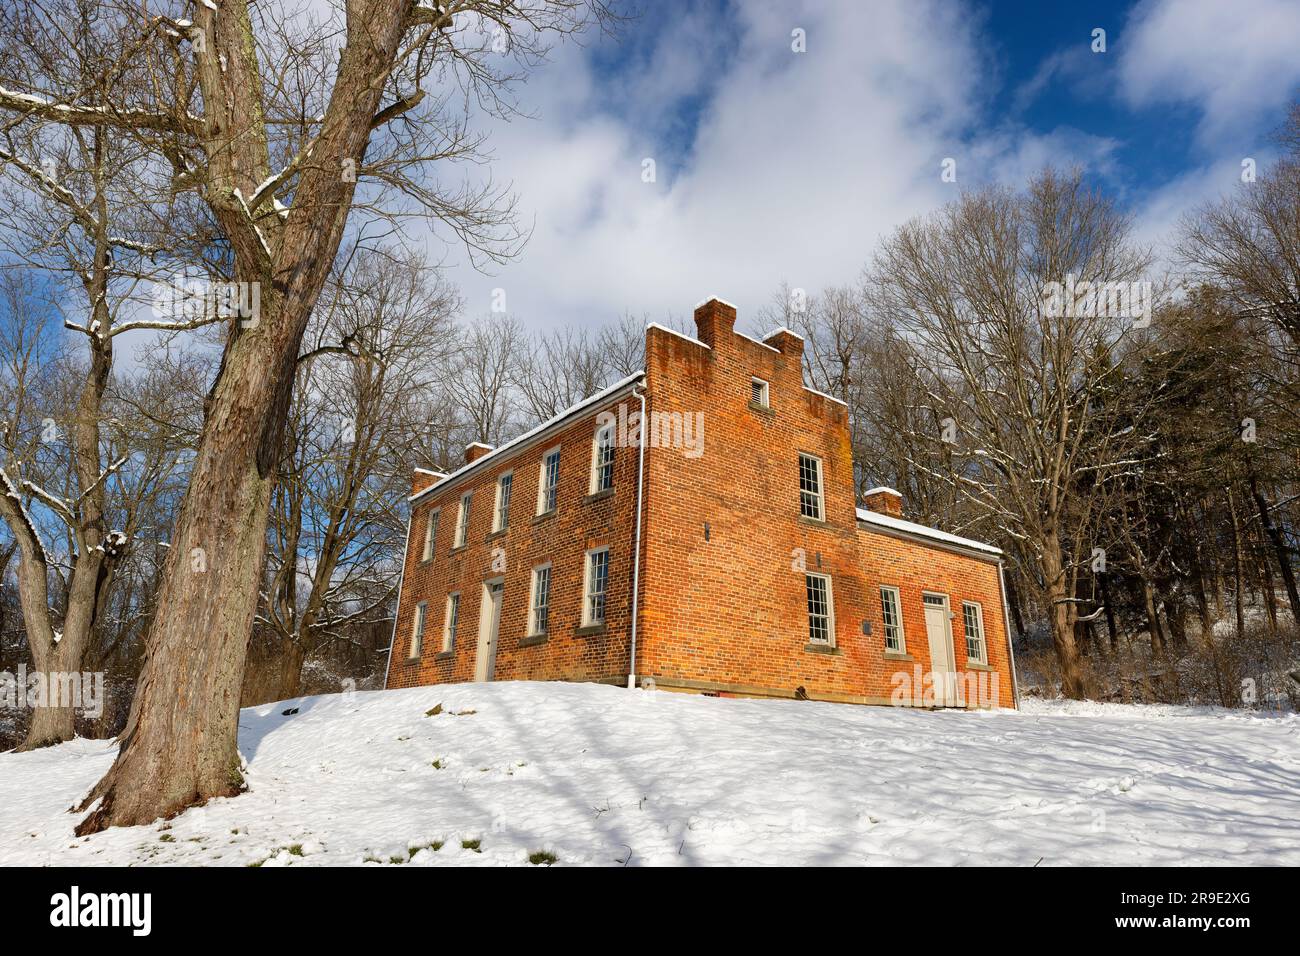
(401, 579)
(636, 559)
(1006, 626)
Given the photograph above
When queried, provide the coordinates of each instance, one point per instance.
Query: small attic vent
(758, 392)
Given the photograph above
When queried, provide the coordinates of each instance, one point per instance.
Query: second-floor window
(758, 393)
(548, 481)
(462, 521)
(430, 531)
(597, 582)
(501, 516)
(811, 504)
(602, 459)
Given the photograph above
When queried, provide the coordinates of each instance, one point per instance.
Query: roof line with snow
(515, 444)
(910, 529)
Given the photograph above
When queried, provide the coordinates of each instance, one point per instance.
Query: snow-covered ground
(597, 775)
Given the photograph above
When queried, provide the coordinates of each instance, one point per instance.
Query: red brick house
(723, 554)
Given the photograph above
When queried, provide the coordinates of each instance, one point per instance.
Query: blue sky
(774, 166)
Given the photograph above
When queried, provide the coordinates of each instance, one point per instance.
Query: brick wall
(579, 522)
(725, 606)
(725, 549)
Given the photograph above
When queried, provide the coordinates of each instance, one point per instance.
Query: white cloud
(1238, 63)
(798, 163)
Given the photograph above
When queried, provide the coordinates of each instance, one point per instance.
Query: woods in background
(224, 517)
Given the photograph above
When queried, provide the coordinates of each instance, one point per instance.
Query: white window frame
(417, 629)
(830, 610)
(462, 521)
(500, 514)
(764, 392)
(588, 592)
(430, 532)
(821, 487)
(450, 622)
(597, 466)
(533, 629)
(983, 656)
(543, 491)
(898, 619)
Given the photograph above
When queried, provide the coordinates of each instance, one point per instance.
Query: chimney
(476, 450)
(715, 320)
(785, 342)
(885, 501)
(423, 478)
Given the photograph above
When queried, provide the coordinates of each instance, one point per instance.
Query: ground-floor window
(449, 626)
(973, 617)
(892, 617)
(539, 610)
(820, 628)
(597, 582)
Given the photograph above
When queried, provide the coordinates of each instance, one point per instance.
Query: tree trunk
(1013, 599)
(1153, 618)
(1240, 599)
(1280, 551)
(1061, 616)
(180, 747)
(1104, 581)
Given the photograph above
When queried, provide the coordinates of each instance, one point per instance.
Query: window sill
(821, 649)
(496, 534)
(457, 550)
(532, 640)
(444, 655)
(589, 630)
(597, 496)
(538, 519)
(813, 522)
(412, 660)
(762, 409)
(898, 656)
(972, 666)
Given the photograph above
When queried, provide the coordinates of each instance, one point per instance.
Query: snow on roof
(680, 335)
(838, 401)
(715, 298)
(430, 471)
(479, 444)
(781, 328)
(750, 338)
(881, 490)
(921, 531)
(532, 433)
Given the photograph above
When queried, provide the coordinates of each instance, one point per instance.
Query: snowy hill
(597, 775)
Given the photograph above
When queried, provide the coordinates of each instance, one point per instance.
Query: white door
(938, 630)
(489, 623)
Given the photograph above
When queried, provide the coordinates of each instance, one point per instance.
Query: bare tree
(1017, 387)
(558, 369)
(274, 125)
(336, 519)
